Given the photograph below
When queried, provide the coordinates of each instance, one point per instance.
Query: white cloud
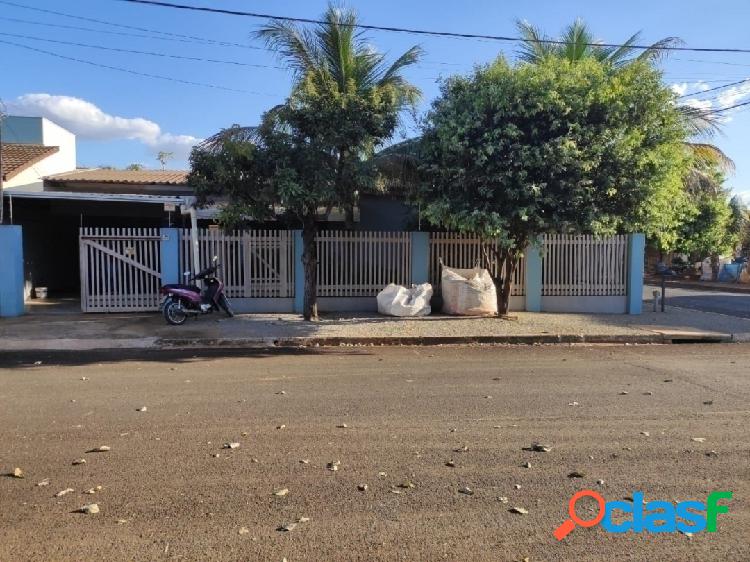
(744, 195)
(680, 89)
(734, 95)
(699, 104)
(87, 121)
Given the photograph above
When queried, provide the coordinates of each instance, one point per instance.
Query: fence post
(299, 273)
(636, 249)
(533, 286)
(11, 271)
(420, 257)
(170, 255)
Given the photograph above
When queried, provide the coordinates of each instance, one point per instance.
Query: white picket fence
(582, 265)
(360, 264)
(465, 251)
(255, 263)
(121, 267)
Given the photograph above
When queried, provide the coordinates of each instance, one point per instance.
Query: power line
(735, 106)
(150, 53)
(422, 31)
(135, 72)
(715, 88)
(133, 27)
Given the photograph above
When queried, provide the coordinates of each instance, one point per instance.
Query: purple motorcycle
(183, 300)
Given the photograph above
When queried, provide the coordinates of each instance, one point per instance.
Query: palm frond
(533, 49)
(296, 47)
(699, 122)
(621, 56)
(235, 133)
(711, 155)
(656, 51)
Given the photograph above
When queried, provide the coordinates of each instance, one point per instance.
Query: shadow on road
(29, 359)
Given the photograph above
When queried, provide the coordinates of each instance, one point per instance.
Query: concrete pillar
(636, 252)
(533, 288)
(299, 273)
(170, 255)
(420, 257)
(11, 271)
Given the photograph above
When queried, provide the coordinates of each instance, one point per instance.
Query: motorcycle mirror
(186, 274)
(216, 258)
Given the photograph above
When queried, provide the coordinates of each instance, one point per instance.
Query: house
(33, 148)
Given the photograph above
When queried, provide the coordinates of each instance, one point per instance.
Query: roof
(100, 197)
(18, 157)
(140, 177)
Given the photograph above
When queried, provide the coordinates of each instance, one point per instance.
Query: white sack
(468, 292)
(396, 300)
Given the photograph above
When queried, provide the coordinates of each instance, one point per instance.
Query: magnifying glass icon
(569, 524)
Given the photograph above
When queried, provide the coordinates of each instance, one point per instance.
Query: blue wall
(170, 255)
(11, 271)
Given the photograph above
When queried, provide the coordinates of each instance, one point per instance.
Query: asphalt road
(732, 304)
(171, 492)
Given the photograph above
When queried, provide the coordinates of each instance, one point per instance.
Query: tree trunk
(506, 267)
(310, 264)
(714, 267)
(503, 296)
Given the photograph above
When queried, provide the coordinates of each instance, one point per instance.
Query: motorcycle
(183, 300)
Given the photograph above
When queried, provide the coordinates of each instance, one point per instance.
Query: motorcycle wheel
(174, 314)
(224, 304)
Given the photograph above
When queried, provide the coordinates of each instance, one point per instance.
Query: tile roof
(18, 157)
(142, 177)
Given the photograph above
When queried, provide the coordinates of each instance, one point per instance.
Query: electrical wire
(150, 53)
(135, 72)
(133, 27)
(715, 88)
(422, 31)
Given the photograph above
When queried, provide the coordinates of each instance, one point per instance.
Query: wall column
(170, 255)
(533, 288)
(636, 251)
(11, 271)
(420, 257)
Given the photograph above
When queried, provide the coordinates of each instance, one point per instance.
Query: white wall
(37, 130)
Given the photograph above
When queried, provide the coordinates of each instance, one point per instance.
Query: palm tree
(335, 54)
(334, 60)
(577, 42)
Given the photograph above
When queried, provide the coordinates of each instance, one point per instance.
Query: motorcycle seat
(184, 287)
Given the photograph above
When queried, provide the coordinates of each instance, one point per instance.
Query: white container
(41, 292)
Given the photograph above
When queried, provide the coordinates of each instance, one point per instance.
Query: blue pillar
(636, 252)
(170, 255)
(533, 287)
(299, 273)
(11, 270)
(420, 257)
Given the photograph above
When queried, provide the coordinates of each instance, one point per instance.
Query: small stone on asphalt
(518, 510)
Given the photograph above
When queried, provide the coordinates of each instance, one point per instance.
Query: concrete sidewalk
(76, 331)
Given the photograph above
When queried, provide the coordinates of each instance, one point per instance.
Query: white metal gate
(120, 269)
(254, 263)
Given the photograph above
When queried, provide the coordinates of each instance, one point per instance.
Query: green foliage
(711, 230)
(514, 152)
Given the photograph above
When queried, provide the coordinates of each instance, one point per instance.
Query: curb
(176, 344)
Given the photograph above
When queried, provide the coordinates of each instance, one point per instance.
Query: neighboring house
(101, 180)
(32, 148)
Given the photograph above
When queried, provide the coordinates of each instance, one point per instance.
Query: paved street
(171, 492)
(732, 304)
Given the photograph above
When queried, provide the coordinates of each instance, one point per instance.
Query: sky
(122, 117)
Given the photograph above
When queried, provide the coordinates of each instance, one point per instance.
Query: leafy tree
(515, 152)
(313, 152)
(666, 210)
(710, 232)
(134, 167)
